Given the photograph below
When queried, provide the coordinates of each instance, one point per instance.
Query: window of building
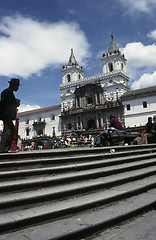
(69, 126)
(27, 131)
(98, 98)
(128, 107)
(53, 117)
(79, 121)
(144, 104)
(53, 130)
(78, 101)
(89, 100)
(68, 78)
(111, 67)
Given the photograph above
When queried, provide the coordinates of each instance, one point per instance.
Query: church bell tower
(72, 72)
(113, 60)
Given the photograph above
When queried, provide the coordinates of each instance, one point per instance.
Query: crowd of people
(61, 142)
(104, 138)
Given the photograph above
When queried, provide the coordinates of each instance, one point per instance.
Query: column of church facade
(97, 120)
(102, 124)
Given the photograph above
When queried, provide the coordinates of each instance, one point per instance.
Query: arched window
(79, 121)
(111, 67)
(69, 126)
(89, 100)
(78, 101)
(68, 78)
(98, 98)
(27, 131)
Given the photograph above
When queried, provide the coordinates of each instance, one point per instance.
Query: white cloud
(152, 34)
(146, 80)
(28, 46)
(71, 11)
(141, 63)
(139, 55)
(27, 107)
(139, 5)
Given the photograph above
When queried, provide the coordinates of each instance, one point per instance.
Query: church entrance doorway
(91, 124)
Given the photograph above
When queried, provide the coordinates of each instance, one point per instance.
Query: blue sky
(36, 37)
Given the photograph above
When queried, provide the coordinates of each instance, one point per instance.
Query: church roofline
(95, 78)
(139, 92)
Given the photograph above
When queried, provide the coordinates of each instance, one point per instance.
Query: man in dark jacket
(149, 125)
(9, 106)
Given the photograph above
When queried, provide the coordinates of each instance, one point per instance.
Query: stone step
(57, 179)
(70, 159)
(82, 166)
(81, 225)
(59, 194)
(21, 217)
(72, 152)
(35, 195)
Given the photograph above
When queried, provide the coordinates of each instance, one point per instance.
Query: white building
(138, 106)
(40, 122)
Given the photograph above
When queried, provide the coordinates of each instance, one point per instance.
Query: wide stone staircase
(74, 193)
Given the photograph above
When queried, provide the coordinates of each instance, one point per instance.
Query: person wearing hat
(9, 111)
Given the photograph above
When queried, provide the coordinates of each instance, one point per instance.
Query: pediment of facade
(89, 88)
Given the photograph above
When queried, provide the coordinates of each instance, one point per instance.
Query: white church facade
(87, 103)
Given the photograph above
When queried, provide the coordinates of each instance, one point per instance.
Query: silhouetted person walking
(9, 111)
